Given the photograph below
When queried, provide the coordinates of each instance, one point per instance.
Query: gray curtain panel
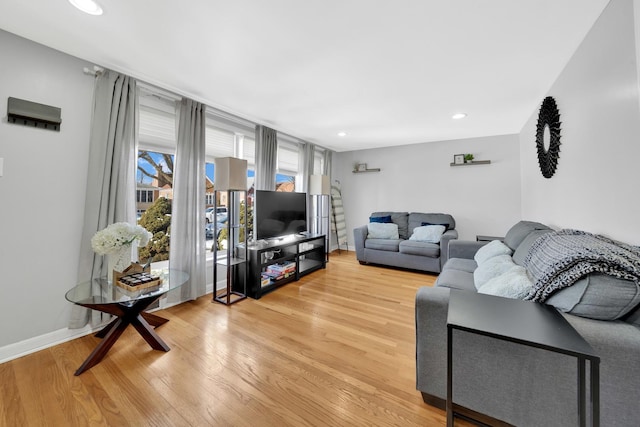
(326, 170)
(328, 157)
(266, 158)
(110, 195)
(187, 250)
(306, 165)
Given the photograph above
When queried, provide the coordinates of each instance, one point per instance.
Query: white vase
(118, 260)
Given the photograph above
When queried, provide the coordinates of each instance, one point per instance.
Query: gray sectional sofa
(403, 252)
(526, 386)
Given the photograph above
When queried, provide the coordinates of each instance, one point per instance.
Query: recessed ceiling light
(87, 6)
(342, 134)
(458, 116)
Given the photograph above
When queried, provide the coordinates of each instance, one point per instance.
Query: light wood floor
(334, 349)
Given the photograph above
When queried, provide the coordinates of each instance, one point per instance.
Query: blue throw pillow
(384, 219)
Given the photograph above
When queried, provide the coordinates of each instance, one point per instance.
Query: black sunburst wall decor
(548, 116)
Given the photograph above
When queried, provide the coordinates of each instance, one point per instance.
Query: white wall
(483, 199)
(42, 191)
(596, 182)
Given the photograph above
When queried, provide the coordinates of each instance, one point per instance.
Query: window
(154, 177)
(227, 136)
(143, 196)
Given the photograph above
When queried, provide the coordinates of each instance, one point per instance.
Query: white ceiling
(386, 72)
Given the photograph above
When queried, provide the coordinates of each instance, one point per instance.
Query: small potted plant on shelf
(468, 158)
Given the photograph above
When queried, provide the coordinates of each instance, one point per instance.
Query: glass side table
(128, 307)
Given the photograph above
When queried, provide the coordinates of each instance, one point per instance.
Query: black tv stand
(296, 256)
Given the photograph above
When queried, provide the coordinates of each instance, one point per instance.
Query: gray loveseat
(525, 386)
(403, 252)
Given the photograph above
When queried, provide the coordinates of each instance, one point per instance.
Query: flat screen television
(279, 213)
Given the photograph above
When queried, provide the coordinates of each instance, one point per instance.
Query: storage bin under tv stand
(306, 251)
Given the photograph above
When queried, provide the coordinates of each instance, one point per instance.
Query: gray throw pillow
(519, 231)
(597, 296)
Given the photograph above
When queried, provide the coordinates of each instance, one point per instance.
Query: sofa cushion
(491, 268)
(391, 245)
(416, 219)
(461, 264)
(491, 249)
(381, 230)
(385, 219)
(412, 247)
(597, 296)
(522, 250)
(633, 317)
(456, 279)
(428, 233)
(515, 283)
(519, 231)
(400, 218)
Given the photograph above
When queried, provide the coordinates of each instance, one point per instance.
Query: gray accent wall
(595, 187)
(42, 192)
(483, 199)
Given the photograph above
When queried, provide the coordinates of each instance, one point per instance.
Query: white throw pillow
(382, 230)
(493, 267)
(491, 249)
(428, 233)
(514, 284)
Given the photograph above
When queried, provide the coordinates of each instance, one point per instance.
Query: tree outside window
(155, 170)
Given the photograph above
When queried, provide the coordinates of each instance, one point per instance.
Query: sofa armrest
(464, 248)
(444, 245)
(617, 343)
(359, 236)
(432, 306)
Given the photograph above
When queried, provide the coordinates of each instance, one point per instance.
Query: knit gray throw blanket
(558, 259)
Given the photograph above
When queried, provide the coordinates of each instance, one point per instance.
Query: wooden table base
(126, 315)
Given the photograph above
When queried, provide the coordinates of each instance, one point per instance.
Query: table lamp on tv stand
(319, 190)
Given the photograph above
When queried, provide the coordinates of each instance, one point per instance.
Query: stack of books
(276, 272)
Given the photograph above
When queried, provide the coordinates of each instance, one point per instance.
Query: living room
(597, 93)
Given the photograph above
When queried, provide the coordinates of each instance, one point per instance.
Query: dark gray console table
(526, 323)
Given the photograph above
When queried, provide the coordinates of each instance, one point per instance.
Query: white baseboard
(41, 342)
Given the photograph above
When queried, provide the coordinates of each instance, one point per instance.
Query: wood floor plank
(336, 348)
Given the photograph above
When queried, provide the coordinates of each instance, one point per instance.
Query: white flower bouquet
(115, 236)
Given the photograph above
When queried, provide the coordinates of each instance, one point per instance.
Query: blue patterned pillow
(383, 219)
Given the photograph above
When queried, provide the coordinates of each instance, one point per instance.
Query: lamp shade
(319, 184)
(230, 173)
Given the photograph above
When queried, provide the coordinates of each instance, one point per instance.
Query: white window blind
(249, 150)
(288, 158)
(218, 143)
(157, 129)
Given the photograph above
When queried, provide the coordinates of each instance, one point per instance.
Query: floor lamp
(230, 176)
(319, 190)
